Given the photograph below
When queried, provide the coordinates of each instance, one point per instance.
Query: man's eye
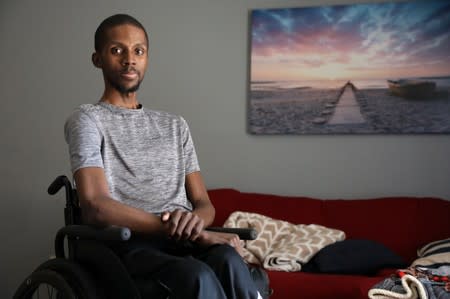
(139, 51)
(116, 51)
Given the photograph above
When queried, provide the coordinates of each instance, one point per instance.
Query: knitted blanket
(281, 245)
(414, 283)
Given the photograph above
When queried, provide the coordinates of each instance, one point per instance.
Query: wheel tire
(80, 280)
(49, 277)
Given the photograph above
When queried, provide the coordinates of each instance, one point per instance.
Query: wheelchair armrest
(111, 233)
(243, 233)
(86, 232)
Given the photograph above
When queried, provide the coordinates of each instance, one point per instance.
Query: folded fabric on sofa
(434, 254)
(414, 283)
(407, 287)
(281, 245)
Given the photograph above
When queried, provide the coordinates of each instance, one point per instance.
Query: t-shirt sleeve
(84, 141)
(189, 154)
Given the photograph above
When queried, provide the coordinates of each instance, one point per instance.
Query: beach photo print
(376, 68)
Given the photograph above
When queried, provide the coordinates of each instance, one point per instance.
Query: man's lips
(129, 74)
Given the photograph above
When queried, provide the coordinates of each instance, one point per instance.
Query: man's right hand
(208, 238)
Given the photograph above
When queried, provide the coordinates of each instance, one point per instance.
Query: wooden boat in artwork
(412, 88)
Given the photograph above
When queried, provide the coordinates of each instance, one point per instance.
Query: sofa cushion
(225, 202)
(387, 220)
(432, 223)
(296, 210)
(354, 256)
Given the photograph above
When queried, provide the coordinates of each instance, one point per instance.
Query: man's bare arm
(198, 195)
(99, 208)
(185, 225)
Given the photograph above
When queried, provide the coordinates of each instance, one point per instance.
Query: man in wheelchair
(137, 168)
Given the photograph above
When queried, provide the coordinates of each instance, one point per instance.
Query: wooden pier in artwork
(347, 110)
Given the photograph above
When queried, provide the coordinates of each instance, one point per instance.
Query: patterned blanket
(414, 283)
(281, 245)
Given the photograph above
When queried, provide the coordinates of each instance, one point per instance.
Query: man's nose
(128, 58)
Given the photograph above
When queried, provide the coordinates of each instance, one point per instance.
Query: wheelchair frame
(90, 265)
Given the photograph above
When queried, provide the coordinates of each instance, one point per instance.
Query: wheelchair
(84, 266)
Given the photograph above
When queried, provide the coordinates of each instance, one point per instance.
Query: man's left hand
(182, 225)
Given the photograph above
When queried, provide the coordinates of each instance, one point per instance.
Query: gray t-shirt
(145, 154)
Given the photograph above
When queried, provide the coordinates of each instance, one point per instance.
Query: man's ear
(96, 60)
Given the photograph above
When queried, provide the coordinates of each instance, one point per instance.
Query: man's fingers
(234, 241)
(173, 222)
(196, 228)
(183, 225)
(183, 229)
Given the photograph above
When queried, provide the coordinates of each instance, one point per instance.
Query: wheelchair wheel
(81, 281)
(45, 284)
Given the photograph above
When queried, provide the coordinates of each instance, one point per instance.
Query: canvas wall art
(377, 68)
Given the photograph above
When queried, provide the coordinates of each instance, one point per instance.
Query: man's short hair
(112, 21)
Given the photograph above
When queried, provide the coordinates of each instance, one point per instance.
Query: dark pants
(186, 270)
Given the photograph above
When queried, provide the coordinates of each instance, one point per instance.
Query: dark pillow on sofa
(364, 257)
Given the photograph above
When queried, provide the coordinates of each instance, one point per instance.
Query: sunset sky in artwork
(363, 41)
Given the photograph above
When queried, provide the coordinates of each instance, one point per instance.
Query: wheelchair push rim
(45, 284)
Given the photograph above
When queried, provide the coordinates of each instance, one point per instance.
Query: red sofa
(402, 224)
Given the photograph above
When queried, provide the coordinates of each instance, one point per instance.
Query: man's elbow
(92, 213)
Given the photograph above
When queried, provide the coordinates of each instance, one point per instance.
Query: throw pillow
(434, 254)
(354, 256)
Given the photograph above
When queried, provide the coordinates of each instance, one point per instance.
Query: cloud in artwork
(363, 40)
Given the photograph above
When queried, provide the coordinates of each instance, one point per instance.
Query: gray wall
(198, 68)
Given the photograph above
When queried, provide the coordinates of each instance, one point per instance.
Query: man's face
(123, 58)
